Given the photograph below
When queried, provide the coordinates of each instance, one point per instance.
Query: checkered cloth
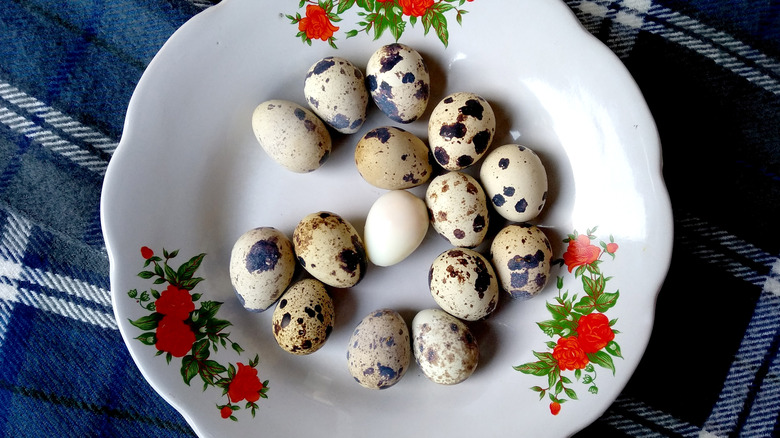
(709, 69)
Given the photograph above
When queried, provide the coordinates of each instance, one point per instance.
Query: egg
(463, 283)
(291, 135)
(379, 350)
(392, 158)
(522, 256)
(336, 91)
(457, 208)
(395, 226)
(460, 130)
(444, 348)
(399, 82)
(262, 264)
(515, 181)
(303, 317)
(330, 249)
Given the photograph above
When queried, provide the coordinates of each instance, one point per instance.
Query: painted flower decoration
(585, 335)
(177, 328)
(375, 17)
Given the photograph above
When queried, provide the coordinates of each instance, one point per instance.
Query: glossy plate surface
(189, 176)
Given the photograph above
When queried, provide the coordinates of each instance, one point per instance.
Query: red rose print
(580, 252)
(594, 332)
(612, 247)
(569, 354)
(245, 385)
(146, 252)
(415, 8)
(174, 336)
(226, 412)
(316, 24)
(555, 407)
(176, 303)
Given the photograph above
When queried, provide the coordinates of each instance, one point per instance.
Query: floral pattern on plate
(176, 328)
(585, 335)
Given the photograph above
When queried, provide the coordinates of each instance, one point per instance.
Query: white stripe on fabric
(721, 249)
(755, 346)
(56, 119)
(56, 144)
(66, 308)
(13, 243)
(618, 420)
(72, 286)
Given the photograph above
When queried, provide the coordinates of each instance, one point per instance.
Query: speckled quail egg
(330, 249)
(291, 135)
(521, 256)
(392, 158)
(457, 208)
(463, 283)
(460, 130)
(395, 226)
(303, 317)
(336, 91)
(379, 350)
(515, 181)
(262, 264)
(444, 348)
(399, 82)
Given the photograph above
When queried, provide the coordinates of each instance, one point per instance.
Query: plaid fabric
(709, 69)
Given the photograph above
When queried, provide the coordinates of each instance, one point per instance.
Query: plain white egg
(395, 226)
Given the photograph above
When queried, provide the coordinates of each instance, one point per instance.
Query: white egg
(395, 226)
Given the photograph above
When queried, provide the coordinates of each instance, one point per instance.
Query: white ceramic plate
(189, 176)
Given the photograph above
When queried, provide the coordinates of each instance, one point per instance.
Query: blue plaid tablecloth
(709, 69)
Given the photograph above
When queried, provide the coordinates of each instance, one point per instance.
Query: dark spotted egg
(457, 208)
(463, 283)
(521, 256)
(291, 135)
(398, 81)
(303, 317)
(379, 351)
(330, 249)
(262, 264)
(392, 158)
(336, 91)
(515, 181)
(444, 348)
(460, 130)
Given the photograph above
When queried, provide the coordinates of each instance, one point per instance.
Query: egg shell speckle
(379, 350)
(444, 347)
(392, 158)
(463, 283)
(460, 130)
(262, 264)
(291, 135)
(303, 317)
(521, 256)
(398, 81)
(330, 249)
(457, 208)
(336, 91)
(515, 181)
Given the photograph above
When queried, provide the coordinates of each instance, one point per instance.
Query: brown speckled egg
(444, 347)
(291, 135)
(399, 82)
(330, 249)
(303, 317)
(460, 130)
(379, 350)
(262, 264)
(392, 158)
(522, 256)
(336, 91)
(462, 282)
(515, 181)
(457, 208)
